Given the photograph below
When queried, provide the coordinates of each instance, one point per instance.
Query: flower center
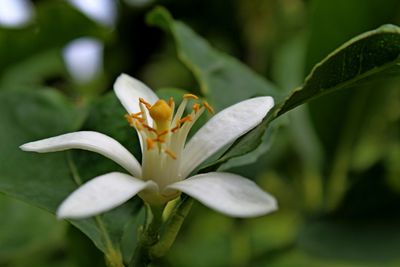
(163, 133)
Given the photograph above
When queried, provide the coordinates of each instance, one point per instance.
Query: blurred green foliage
(333, 164)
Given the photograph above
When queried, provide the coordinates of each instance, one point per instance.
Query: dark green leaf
(44, 180)
(360, 59)
(217, 74)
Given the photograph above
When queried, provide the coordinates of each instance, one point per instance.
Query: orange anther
(150, 143)
(147, 104)
(192, 96)
(185, 119)
(170, 153)
(162, 133)
(208, 107)
(129, 119)
(138, 126)
(196, 107)
(151, 129)
(159, 140)
(137, 115)
(176, 128)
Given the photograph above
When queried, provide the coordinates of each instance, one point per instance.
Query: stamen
(138, 126)
(162, 133)
(170, 153)
(176, 128)
(150, 143)
(129, 119)
(159, 140)
(147, 104)
(208, 107)
(196, 107)
(190, 96)
(151, 129)
(185, 119)
(171, 102)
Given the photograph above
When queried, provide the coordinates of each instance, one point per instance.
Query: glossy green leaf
(355, 62)
(369, 56)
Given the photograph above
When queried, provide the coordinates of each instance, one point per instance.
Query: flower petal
(92, 141)
(227, 193)
(222, 129)
(129, 90)
(101, 194)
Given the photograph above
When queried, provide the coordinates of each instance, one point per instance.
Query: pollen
(208, 107)
(190, 96)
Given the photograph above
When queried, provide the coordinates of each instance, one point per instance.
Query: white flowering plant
(124, 164)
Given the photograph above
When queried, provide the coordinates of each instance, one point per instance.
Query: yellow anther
(170, 153)
(196, 107)
(190, 96)
(208, 107)
(147, 104)
(150, 143)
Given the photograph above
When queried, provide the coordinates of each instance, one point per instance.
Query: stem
(157, 237)
(147, 237)
(171, 228)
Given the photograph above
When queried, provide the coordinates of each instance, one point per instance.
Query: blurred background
(333, 165)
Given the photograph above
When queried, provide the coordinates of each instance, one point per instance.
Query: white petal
(101, 194)
(227, 193)
(129, 90)
(222, 129)
(92, 141)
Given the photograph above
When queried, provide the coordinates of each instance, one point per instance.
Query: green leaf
(357, 61)
(26, 231)
(366, 57)
(44, 180)
(217, 73)
(223, 80)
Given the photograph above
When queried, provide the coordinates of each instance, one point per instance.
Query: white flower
(167, 159)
